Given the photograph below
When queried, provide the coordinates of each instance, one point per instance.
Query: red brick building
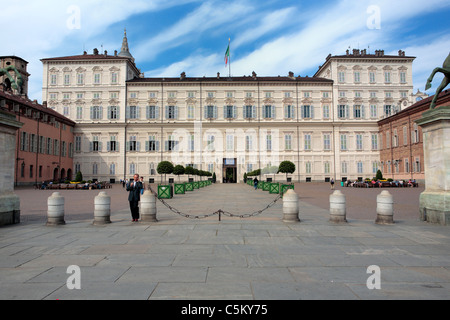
(44, 149)
(401, 147)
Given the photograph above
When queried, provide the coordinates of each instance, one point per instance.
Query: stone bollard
(55, 209)
(385, 208)
(148, 207)
(102, 209)
(290, 206)
(337, 207)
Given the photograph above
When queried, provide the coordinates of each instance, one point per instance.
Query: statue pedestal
(434, 204)
(9, 202)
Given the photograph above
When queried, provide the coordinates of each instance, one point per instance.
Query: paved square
(260, 257)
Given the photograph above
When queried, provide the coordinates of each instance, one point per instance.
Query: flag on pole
(227, 53)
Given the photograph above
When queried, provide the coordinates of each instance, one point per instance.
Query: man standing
(134, 197)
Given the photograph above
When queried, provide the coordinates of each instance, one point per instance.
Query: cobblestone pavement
(255, 258)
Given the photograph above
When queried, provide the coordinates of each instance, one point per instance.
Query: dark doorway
(229, 171)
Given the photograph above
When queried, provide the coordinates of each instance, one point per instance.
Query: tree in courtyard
(178, 170)
(286, 167)
(165, 167)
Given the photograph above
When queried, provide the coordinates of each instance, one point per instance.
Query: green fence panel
(189, 186)
(286, 187)
(179, 188)
(265, 186)
(274, 187)
(195, 184)
(260, 185)
(165, 192)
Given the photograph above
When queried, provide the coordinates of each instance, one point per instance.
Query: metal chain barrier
(218, 212)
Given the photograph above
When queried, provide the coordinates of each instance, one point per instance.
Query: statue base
(434, 204)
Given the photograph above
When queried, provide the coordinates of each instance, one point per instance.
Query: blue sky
(270, 37)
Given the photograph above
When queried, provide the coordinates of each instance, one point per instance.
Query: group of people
(135, 189)
(377, 183)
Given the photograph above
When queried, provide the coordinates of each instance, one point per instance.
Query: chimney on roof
(106, 53)
(254, 75)
(347, 52)
(84, 53)
(218, 75)
(401, 53)
(115, 53)
(182, 75)
(291, 75)
(95, 51)
(44, 104)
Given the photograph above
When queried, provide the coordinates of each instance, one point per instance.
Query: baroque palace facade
(325, 124)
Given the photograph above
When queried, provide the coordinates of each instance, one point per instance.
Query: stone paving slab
(255, 258)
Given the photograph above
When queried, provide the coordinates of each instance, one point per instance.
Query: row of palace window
(415, 136)
(30, 142)
(372, 77)
(250, 143)
(80, 78)
(231, 112)
(394, 166)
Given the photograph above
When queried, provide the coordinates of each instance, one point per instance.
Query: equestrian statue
(15, 84)
(446, 71)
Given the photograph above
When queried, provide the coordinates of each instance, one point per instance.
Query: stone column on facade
(9, 202)
(434, 203)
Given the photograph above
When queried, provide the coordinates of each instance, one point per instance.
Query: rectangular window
(190, 112)
(344, 167)
(387, 77)
(374, 141)
(373, 111)
(327, 142)
(288, 142)
(308, 167)
(132, 144)
(372, 77)
(357, 112)
(359, 142)
(114, 77)
(357, 77)
(402, 77)
(210, 143)
(359, 166)
(342, 111)
(53, 79)
(230, 142)
(248, 143)
(269, 142)
(229, 112)
(250, 112)
(77, 144)
(326, 112)
(210, 112)
(307, 112)
(152, 112)
(289, 112)
(326, 167)
(343, 142)
(97, 78)
(80, 78)
(341, 77)
(79, 113)
(133, 112)
(152, 144)
(113, 113)
(269, 111)
(171, 112)
(96, 113)
(67, 79)
(307, 142)
(387, 110)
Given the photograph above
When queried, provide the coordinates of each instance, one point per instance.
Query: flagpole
(229, 65)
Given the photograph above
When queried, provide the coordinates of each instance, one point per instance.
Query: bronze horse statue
(15, 84)
(446, 71)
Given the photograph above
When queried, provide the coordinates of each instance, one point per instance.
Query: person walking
(134, 196)
(332, 183)
(255, 183)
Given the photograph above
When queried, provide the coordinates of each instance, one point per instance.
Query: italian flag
(227, 54)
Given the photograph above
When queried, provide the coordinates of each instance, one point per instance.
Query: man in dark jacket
(134, 197)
